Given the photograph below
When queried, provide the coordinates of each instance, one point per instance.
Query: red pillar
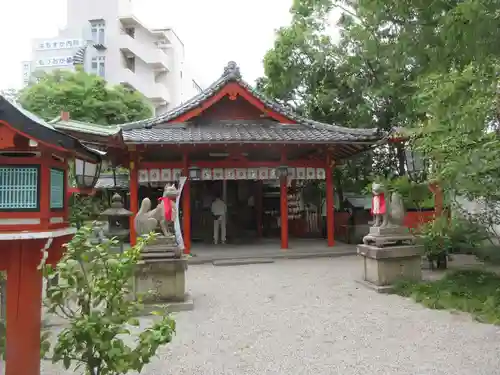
(134, 196)
(24, 303)
(186, 208)
(284, 213)
(284, 205)
(258, 208)
(438, 199)
(330, 213)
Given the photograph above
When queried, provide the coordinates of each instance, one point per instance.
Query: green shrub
(472, 291)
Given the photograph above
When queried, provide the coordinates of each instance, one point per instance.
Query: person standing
(219, 211)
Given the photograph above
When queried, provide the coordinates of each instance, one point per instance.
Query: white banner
(177, 222)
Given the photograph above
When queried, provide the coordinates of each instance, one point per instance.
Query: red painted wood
(238, 109)
(284, 213)
(232, 90)
(414, 219)
(234, 164)
(438, 198)
(40, 143)
(259, 207)
(6, 137)
(186, 208)
(45, 192)
(284, 206)
(24, 298)
(330, 218)
(134, 196)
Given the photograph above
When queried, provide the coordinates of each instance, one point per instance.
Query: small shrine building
(239, 141)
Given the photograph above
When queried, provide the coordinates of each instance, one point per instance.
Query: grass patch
(472, 291)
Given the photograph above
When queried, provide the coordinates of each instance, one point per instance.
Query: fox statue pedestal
(160, 277)
(389, 252)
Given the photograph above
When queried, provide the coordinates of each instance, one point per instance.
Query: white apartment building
(106, 38)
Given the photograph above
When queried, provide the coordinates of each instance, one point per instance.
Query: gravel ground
(310, 317)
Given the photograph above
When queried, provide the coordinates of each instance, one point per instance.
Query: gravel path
(310, 317)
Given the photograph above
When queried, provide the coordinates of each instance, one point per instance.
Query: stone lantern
(118, 220)
(34, 226)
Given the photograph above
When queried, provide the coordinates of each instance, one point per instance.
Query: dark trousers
(324, 231)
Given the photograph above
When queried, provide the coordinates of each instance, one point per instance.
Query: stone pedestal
(160, 278)
(383, 266)
(162, 247)
(161, 281)
(390, 235)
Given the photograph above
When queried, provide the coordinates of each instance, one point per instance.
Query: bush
(94, 295)
(471, 291)
(443, 236)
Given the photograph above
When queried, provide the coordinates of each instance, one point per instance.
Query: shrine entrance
(243, 214)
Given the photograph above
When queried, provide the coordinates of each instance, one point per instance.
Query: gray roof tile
(307, 130)
(240, 131)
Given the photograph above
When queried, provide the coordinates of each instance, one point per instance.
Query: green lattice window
(19, 188)
(56, 189)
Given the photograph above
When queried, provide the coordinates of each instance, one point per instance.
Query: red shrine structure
(33, 220)
(228, 139)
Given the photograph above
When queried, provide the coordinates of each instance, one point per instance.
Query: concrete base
(171, 307)
(383, 266)
(241, 262)
(161, 281)
(379, 289)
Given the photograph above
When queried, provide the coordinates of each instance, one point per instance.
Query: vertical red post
(330, 213)
(284, 205)
(258, 207)
(438, 199)
(134, 196)
(186, 207)
(24, 308)
(44, 192)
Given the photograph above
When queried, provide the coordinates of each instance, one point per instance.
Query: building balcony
(150, 54)
(155, 92)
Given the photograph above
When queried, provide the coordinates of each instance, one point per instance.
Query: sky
(214, 32)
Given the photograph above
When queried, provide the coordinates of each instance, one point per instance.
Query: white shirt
(219, 207)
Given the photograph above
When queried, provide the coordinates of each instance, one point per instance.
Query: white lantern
(86, 173)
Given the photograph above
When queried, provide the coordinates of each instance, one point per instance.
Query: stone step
(242, 262)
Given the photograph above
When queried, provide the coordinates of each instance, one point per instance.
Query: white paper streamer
(177, 223)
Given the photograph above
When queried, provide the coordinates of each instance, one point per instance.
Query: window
(19, 188)
(98, 31)
(99, 66)
(130, 63)
(130, 31)
(57, 183)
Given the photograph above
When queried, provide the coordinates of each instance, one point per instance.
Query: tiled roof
(85, 127)
(236, 131)
(132, 131)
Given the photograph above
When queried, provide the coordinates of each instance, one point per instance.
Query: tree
(94, 296)
(86, 97)
(329, 82)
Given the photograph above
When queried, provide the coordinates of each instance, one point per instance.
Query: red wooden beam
(186, 206)
(233, 164)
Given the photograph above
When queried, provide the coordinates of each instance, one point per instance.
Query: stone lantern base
(383, 266)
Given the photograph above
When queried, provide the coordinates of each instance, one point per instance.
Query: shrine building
(250, 151)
